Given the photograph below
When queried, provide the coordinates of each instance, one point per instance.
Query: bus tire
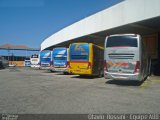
(51, 70)
(65, 73)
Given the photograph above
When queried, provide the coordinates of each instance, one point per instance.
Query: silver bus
(126, 58)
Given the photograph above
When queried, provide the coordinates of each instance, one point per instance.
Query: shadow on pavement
(84, 77)
(125, 82)
(61, 73)
(47, 71)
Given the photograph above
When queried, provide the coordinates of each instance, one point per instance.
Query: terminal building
(129, 16)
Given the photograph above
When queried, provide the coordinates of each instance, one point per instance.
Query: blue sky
(29, 22)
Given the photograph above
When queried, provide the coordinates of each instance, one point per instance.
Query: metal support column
(159, 47)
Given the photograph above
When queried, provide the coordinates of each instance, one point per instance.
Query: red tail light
(38, 63)
(137, 67)
(89, 65)
(105, 66)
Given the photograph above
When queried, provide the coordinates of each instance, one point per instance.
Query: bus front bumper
(59, 69)
(35, 66)
(45, 68)
(80, 71)
(122, 76)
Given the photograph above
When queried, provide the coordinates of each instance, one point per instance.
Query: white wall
(128, 11)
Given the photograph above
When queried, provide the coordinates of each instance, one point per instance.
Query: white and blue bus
(27, 62)
(46, 59)
(60, 60)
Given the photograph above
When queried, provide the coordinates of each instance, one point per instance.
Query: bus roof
(123, 35)
(88, 43)
(59, 48)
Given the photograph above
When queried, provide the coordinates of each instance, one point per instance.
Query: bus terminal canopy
(130, 16)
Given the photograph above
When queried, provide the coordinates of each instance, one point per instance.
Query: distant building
(16, 54)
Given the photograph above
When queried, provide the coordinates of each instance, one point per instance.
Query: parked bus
(126, 57)
(35, 61)
(60, 60)
(27, 62)
(86, 59)
(46, 59)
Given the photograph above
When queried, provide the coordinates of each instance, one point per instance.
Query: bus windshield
(60, 54)
(121, 41)
(34, 56)
(27, 59)
(45, 54)
(79, 57)
(79, 52)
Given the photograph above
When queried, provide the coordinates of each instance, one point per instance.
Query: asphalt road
(24, 90)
